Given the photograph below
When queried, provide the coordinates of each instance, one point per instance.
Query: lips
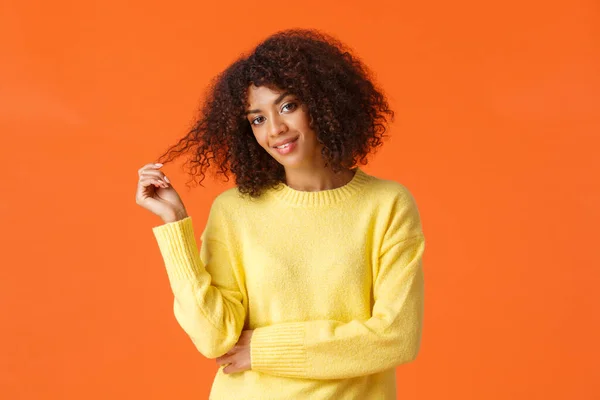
(281, 143)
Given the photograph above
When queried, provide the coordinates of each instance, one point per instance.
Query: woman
(309, 280)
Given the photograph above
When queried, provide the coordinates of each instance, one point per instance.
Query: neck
(314, 180)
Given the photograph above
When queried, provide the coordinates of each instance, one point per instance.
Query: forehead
(258, 95)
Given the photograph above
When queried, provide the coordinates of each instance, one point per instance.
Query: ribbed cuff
(279, 349)
(178, 247)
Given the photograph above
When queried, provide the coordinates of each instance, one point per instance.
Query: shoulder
(390, 191)
(396, 204)
(226, 200)
(232, 202)
(228, 196)
(223, 216)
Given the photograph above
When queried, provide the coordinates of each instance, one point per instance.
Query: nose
(277, 126)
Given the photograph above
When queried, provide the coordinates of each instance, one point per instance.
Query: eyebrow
(277, 101)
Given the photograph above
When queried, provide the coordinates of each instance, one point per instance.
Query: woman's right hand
(155, 194)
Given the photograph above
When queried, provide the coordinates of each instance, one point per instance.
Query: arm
(331, 349)
(208, 303)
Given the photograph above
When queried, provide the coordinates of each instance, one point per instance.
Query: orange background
(496, 137)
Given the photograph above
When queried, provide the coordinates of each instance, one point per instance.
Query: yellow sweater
(330, 281)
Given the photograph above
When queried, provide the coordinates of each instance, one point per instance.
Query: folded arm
(329, 349)
(208, 303)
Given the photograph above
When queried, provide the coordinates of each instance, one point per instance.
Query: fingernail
(158, 164)
(167, 180)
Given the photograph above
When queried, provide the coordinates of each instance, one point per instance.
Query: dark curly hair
(349, 112)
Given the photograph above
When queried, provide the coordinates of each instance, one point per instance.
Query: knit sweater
(330, 281)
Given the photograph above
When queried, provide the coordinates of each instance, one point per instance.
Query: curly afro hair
(349, 112)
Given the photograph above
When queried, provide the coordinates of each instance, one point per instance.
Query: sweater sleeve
(209, 304)
(330, 349)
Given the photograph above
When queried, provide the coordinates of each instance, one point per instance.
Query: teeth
(283, 146)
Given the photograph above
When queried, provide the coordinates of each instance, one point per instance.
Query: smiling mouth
(285, 146)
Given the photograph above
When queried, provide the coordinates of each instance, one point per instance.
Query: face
(281, 125)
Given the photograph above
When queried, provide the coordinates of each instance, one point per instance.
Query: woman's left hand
(238, 357)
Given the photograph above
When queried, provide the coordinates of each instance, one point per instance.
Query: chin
(290, 163)
(291, 160)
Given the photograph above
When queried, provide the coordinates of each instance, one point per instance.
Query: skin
(238, 358)
(282, 118)
(273, 118)
(156, 194)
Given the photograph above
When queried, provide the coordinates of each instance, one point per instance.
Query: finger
(146, 175)
(156, 173)
(226, 358)
(152, 181)
(149, 166)
(154, 177)
(231, 368)
(224, 362)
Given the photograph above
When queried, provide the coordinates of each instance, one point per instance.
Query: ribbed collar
(322, 197)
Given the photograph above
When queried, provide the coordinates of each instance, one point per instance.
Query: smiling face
(281, 125)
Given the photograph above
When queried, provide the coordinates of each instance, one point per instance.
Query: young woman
(309, 280)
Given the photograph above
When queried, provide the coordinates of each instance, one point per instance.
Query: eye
(290, 104)
(254, 120)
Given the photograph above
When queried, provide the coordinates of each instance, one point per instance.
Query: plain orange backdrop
(496, 136)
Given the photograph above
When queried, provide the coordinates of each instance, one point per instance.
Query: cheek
(260, 138)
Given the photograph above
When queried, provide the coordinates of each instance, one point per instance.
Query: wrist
(177, 215)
